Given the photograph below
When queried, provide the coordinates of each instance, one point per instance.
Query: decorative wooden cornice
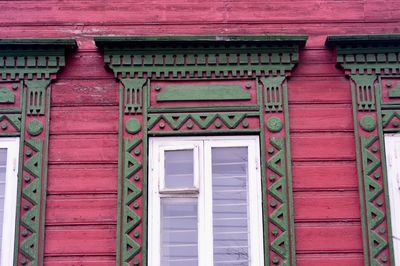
(377, 54)
(372, 62)
(201, 56)
(32, 58)
(27, 67)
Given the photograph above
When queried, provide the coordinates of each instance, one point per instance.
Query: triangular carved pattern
(32, 193)
(13, 119)
(204, 121)
(372, 190)
(279, 217)
(130, 219)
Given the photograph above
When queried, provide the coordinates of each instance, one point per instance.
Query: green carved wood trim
(104, 41)
(278, 176)
(200, 57)
(184, 61)
(371, 61)
(132, 183)
(27, 69)
(203, 93)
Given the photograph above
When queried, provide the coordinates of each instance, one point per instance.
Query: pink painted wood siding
(82, 189)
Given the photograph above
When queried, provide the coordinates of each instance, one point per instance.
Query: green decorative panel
(27, 68)
(202, 85)
(371, 62)
(203, 93)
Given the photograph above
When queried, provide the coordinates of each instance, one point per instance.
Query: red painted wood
(319, 90)
(81, 261)
(182, 11)
(83, 142)
(90, 60)
(78, 120)
(324, 176)
(82, 92)
(83, 149)
(321, 118)
(335, 237)
(352, 259)
(326, 206)
(80, 240)
(78, 210)
(82, 179)
(323, 146)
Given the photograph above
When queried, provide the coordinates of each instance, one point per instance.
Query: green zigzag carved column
(370, 170)
(278, 180)
(132, 173)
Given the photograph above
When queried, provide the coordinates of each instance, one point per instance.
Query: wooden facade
(330, 137)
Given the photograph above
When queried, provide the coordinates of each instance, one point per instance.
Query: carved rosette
(26, 71)
(200, 86)
(372, 63)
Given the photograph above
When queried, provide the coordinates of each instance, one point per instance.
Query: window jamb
(10, 199)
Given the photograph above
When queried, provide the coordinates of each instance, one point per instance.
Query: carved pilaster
(133, 171)
(279, 201)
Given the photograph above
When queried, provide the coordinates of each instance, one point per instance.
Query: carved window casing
(206, 85)
(372, 63)
(27, 68)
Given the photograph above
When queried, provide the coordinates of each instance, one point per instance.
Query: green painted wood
(361, 39)
(103, 41)
(216, 92)
(366, 58)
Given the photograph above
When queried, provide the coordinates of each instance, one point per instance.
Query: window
(9, 148)
(205, 201)
(392, 146)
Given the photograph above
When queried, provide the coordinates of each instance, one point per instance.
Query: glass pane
(179, 232)
(230, 221)
(3, 164)
(179, 169)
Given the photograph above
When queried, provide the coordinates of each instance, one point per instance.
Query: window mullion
(206, 239)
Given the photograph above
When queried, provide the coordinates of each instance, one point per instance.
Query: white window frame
(202, 171)
(10, 200)
(392, 149)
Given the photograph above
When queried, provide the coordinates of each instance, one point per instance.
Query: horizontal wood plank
(82, 179)
(89, 209)
(320, 237)
(82, 92)
(353, 259)
(181, 11)
(321, 118)
(80, 240)
(319, 90)
(80, 260)
(326, 206)
(77, 120)
(83, 149)
(324, 176)
(323, 146)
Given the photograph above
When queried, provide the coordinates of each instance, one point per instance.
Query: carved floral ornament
(202, 85)
(372, 63)
(27, 68)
